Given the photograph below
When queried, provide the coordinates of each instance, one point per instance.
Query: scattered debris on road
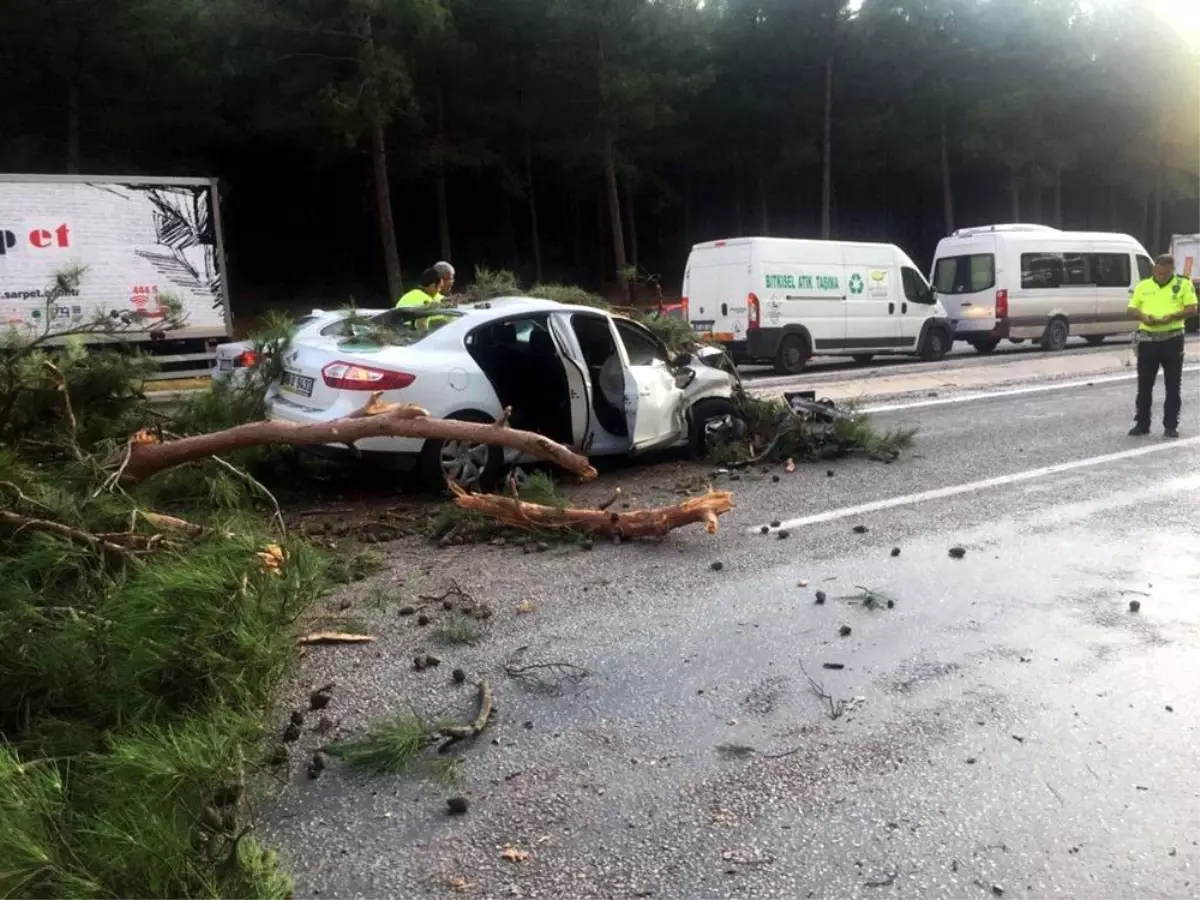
(957, 552)
(321, 638)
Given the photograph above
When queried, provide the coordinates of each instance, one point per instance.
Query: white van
(784, 301)
(1030, 282)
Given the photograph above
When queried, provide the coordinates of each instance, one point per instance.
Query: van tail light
(245, 360)
(344, 376)
(1001, 304)
(683, 308)
(755, 314)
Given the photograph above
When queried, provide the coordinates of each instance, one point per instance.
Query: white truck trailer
(137, 239)
(1186, 250)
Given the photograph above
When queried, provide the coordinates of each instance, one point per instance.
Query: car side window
(1145, 267)
(640, 345)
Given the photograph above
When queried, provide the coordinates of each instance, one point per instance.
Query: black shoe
(1138, 431)
(1172, 433)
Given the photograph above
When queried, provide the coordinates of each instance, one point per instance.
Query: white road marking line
(846, 512)
(1015, 392)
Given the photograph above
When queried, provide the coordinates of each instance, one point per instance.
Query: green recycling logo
(856, 283)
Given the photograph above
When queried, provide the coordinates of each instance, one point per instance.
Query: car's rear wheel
(792, 356)
(470, 465)
(1057, 332)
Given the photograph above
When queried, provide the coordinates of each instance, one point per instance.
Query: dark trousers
(1151, 355)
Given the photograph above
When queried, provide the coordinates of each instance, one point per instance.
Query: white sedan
(597, 382)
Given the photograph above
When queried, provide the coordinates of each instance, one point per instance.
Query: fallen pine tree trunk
(148, 455)
(635, 523)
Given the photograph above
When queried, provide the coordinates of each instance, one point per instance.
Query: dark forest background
(357, 141)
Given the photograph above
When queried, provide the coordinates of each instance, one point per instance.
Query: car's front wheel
(469, 464)
(714, 419)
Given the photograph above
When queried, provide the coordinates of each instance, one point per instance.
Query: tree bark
(614, 216)
(443, 209)
(534, 229)
(149, 456)
(379, 167)
(383, 201)
(510, 227)
(764, 217)
(638, 523)
(631, 217)
(1156, 241)
(739, 222)
(947, 187)
(827, 154)
(73, 106)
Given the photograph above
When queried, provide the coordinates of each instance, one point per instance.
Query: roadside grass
(138, 663)
(457, 632)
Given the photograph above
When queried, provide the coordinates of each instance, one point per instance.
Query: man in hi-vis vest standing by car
(1161, 304)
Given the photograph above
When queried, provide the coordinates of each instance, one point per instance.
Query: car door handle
(724, 309)
(891, 308)
(904, 308)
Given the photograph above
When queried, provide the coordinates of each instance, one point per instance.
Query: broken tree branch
(545, 675)
(637, 523)
(149, 455)
(19, 522)
(60, 381)
(456, 733)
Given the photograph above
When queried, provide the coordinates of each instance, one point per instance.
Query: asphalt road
(961, 354)
(1009, 728)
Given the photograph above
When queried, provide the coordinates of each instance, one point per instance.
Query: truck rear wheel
(792, 356)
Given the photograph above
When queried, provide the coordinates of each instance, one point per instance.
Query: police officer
(1161, 304)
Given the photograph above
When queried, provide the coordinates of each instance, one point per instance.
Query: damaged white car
(600, 383)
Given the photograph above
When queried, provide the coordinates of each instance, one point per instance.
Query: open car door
(654, 404)
(579, 384)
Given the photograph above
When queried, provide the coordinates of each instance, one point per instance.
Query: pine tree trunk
(1156, 242)
(383, 202)
(443, 209)
(1058, 197)
(739, 221)
(764, 217)
(947, 187)
(73, 105)
(689, 233)
(614, 217)
(73, 129)
(1146, 214)
(827, 155)
(534, 229)
(510, 226)
(631, 217)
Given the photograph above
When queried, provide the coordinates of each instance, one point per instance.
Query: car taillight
(1001, 304)
(752, 303)
(245, 360)
(683, 308)
(344, 376)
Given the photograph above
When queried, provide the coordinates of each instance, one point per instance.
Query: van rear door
(716, 285)
(964, 280)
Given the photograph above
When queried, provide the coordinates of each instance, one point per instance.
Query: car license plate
(703, 327)
(296, 384)
(224, 365)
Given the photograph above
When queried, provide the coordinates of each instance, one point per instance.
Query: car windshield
(401, 326)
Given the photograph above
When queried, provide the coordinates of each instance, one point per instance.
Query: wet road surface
(1008, 728)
